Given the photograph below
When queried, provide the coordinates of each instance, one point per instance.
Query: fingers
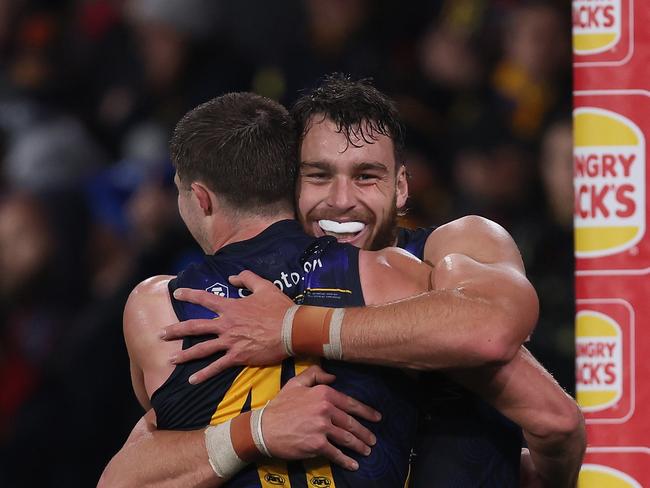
(211, 370)
(336, 456)
(248, 279)
(351, 433)
(191, 328)
(353, 407)
(314, 375)
(201, 297)
(198, 351)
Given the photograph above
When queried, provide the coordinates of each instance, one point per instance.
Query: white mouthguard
(341, 227)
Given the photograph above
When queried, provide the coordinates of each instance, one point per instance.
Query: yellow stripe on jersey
(328, 289)
(303, 364)
(318, 470)
(319, 473)
(407, 481)
(273, 473)
(263, 383)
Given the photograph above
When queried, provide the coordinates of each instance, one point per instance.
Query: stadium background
(89, 91)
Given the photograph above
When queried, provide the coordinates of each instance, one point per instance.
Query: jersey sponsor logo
(286, 280)
(599, 361)
(609, 168)
(274, 479)
(596, 25)
(289, 280)
(219, 289)
(599, 476)
(320, 481)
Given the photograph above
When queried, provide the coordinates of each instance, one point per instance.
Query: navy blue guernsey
(462, 441)
(312, 271)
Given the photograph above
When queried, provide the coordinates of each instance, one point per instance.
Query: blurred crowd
(89, 93)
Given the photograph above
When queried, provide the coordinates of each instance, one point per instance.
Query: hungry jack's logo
(609, 168)
(596, 25)
(599, 361)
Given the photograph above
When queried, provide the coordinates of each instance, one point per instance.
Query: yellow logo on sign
(609, 169)
(597, 476)
(599, 361)
(596, 25)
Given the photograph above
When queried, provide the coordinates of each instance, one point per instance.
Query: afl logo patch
(320, 481)
(218, 289)
(274, 479)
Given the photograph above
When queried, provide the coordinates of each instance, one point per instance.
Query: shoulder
(148, 303)
(472, 224)
(392, 274)
(148, 310)
(154, 286)
(148, 293)
(481, 239)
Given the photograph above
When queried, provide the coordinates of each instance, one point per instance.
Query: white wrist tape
(287, 326)
(334, 350)
(221, 453)
(256, 429)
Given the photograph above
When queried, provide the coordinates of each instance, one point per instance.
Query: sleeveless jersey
(462, 441)
(313, 271)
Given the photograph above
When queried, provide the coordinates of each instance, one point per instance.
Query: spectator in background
(333, 37)
(556, 168)
(54, 153)
(532, 77)
(493, 174)
(149, 61)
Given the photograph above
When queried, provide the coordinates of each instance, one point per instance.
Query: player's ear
(402, 187)
(203, 196)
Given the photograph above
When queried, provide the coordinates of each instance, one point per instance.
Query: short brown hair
(243, 147)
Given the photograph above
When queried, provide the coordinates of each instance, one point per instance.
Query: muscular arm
(146, 312)
(481, 309)
(552, 423)
(521, 389)
(160, 458)
(153, 457)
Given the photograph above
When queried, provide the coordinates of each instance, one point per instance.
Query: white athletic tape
(287, 327)
(221, 453)
(256, 429)
(334, 350)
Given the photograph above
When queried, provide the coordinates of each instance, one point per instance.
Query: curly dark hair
(356, 107)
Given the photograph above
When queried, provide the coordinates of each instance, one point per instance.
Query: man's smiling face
(350, 189)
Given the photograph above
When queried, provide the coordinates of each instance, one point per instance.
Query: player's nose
(340, 195)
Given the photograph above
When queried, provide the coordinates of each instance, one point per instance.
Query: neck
(245, 228)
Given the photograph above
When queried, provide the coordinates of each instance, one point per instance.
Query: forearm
(477, 315)
(439, 329)
(167, 459)
(553, 425)
(557, 461)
